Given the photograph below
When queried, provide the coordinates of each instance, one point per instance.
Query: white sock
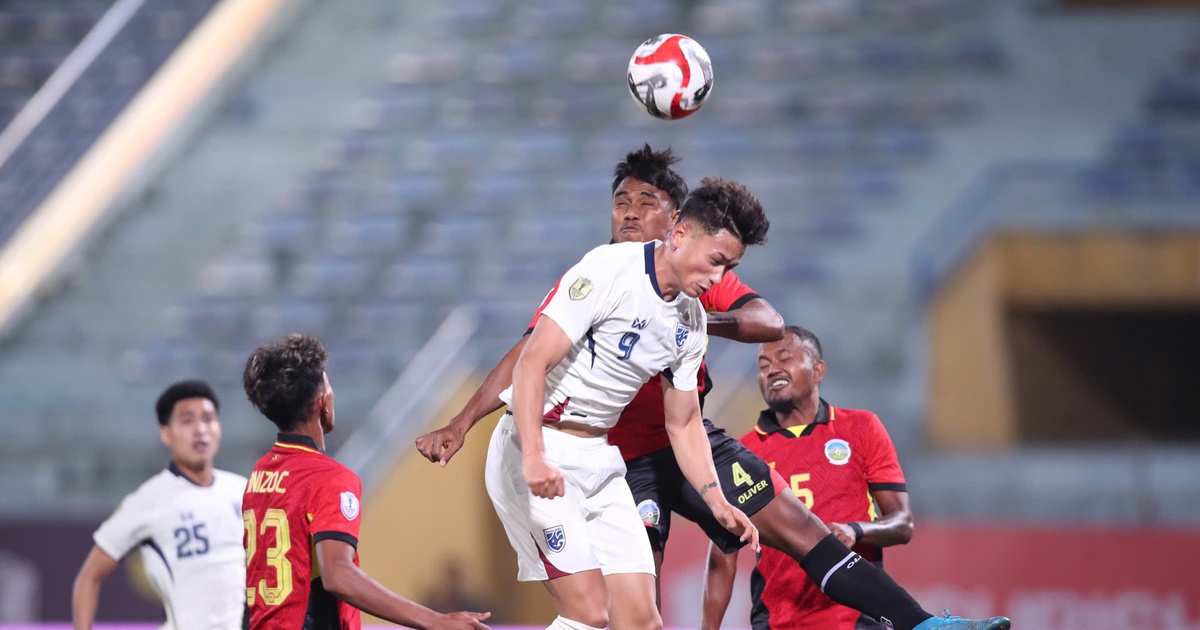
(562, 623)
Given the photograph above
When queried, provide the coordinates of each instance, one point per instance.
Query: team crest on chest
(556, 538)
(349, 505)
(681, 335)
(837, 452)
(580, 288)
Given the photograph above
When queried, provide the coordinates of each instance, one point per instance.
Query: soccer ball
(670, 76)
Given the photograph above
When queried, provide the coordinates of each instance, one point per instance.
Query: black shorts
(659, 488)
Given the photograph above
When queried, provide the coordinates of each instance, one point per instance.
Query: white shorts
(594, 526)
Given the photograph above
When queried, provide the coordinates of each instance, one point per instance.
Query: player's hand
(461, 621)
(544, 480)
(440, 445)
(737, 522)
(843, 533)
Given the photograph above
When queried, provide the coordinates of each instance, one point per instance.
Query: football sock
(562, 623)
(850, 580)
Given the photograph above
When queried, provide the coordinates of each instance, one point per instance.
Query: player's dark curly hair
(182, 390)
(805, 336)
(282, 379)
(725, 204)
(654, 168)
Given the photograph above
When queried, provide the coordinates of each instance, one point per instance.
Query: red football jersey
(832, 465)
(642, 428)
(297, 496)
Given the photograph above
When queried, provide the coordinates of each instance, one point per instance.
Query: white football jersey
(624, 332)
(190, 537)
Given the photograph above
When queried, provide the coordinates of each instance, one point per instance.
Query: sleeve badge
(350, 506)
(580, 288)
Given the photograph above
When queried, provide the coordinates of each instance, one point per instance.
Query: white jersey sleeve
(584, 295)
(124, 530)
(684, 372)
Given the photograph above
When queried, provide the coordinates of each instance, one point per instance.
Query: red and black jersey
(832, 465)
(296, 497)
(642, 427)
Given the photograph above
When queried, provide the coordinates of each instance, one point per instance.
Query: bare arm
(718, 587)
(441, 444)
(693, 452)
(86, 593)
(345, 581)
(547, 346)
(893, 527)
(755, 321)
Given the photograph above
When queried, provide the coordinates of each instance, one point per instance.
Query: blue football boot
(948, 622)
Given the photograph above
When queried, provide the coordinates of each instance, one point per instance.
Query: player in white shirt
(186, 521)
(624, 313)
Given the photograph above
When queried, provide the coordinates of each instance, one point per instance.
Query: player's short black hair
(654, 168)
(805, 335)
(192, 388)
(282, 379)
(725, 204)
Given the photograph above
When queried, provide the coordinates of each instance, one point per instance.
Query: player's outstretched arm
(755, 321)
(718, 587)
(440, 445)
(86, 593)
(685, 428)
(347, 582)
(893, 527)
(547, 346)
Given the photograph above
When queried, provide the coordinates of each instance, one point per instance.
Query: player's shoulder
(227, 479)
(859, 417)
(327, 467)
(615, 254)
(153, 489)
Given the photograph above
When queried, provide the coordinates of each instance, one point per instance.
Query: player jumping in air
(646, 195)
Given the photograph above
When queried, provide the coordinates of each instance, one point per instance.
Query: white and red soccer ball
(670, 76)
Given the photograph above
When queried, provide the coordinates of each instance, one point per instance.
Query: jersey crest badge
(681, 335)
(837, 452)
(349, 506)
(580, 288)
(650, 512)
(556, 538)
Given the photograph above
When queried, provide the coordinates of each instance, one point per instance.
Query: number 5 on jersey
(275, 519)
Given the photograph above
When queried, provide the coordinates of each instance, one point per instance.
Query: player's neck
(202, 476)
(668, 284)
(313, 429)
(805, 412)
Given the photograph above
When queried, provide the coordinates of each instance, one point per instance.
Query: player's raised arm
(345, 581)
(440, 445)
(718, 587)
(756, 321)
(547, 346)
(685, 427)
(86, 593)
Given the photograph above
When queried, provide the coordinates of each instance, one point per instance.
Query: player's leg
(549, 536)
(619, 540)
(654, 480)
(786, 524)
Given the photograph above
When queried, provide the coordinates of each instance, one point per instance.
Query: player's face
(193, 433)
(787, 371)
(703, 259)
(641, 212)
(325, 399)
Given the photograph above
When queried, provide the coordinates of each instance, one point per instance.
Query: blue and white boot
(948, 622)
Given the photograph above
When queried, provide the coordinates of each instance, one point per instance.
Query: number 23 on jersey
(275, 519)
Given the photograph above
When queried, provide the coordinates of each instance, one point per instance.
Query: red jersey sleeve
(541, 307)
(727, 295)
(883, 467)
(335, 507)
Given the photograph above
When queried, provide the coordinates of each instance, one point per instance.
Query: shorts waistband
(509, 423)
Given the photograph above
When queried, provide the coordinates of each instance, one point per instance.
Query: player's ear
(818, 371)
(164, 434)
(679, 233)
